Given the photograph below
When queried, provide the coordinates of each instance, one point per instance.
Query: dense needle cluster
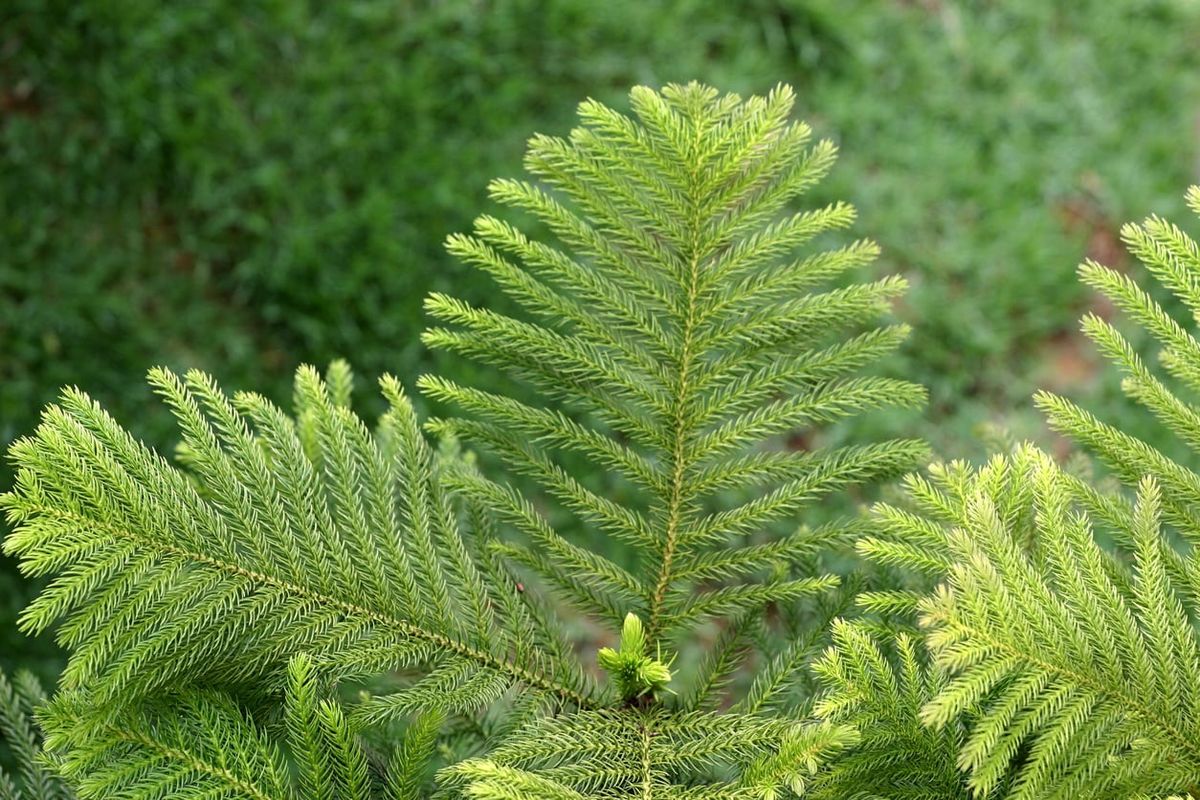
(302, 606)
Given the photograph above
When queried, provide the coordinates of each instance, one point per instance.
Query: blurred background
(243, 187)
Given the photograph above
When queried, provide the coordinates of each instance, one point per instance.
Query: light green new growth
(635, 673)
(308, 608)
(1076, 672)
(1074, 666)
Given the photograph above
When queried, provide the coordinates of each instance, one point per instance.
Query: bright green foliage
(881, 694)
(1078, 673)
(190, 184)
(1074, 665)
(681, 333)
(200, 744)
(329, 760)
(1173, 258)
(635, 673)
(291, 553)
(654, 755)
(190, 745)
(32, 779)
(219, 613)
(283, 538)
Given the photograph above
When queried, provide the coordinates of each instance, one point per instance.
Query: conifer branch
(675, 326)
(220, 613)
(88, 491)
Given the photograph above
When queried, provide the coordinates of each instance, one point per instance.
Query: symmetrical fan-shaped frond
(32, 778)
(1079, 671)
(680, 332)
(655, 755)
(283, 537)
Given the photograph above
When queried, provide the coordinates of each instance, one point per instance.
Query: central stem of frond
(680, 427)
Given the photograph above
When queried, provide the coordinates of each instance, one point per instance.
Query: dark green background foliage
(242, 187)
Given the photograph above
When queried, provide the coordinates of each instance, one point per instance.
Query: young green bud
(635, 673)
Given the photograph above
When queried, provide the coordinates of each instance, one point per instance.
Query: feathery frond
(655, 755)
(215, 610)
(330, 763)
(1173, 258)
(284, 537)
(1076, 666)
(880, 693)
(188, 745)
(672, 334)
(1076, 670)
(201, 744)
